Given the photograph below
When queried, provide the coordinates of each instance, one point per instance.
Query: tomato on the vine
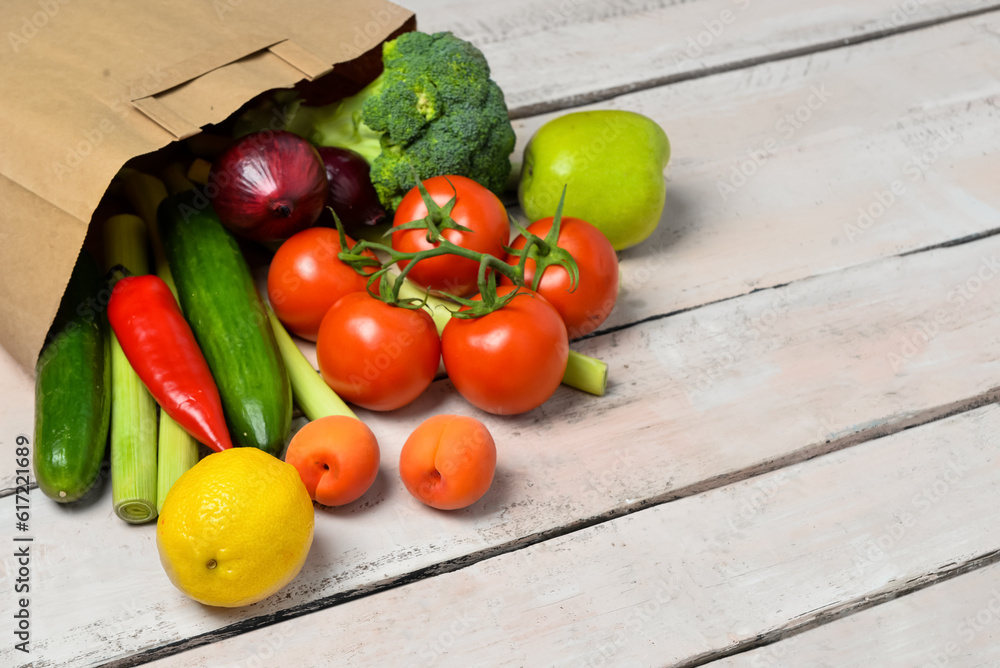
(475, 208)
(377, 356)
(508, 361)
(588, 305)
(306, 278)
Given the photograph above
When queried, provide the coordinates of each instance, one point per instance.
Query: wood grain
(954, 623)
(808, 166)
(553, 54)
(686, 581)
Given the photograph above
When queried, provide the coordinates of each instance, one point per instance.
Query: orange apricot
(337, 458)
(448, 461)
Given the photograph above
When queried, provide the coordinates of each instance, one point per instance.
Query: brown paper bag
(87, 86)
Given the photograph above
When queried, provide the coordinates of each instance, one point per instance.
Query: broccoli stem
(338, 124)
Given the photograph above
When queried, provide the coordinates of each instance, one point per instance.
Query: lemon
(235, 528)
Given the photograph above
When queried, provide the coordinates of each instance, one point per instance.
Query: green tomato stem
(583, 372)
(439, 309)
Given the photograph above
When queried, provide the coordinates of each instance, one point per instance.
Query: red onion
(352, 194)
(268, 186)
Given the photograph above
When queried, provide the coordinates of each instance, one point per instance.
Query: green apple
(611, 163)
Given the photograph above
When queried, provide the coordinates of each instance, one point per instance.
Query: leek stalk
(133, 409)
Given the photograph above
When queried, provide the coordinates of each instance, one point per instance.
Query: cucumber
(219, 298)
(73, 389)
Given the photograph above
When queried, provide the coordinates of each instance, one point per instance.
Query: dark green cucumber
(219, 298)
(73, 389)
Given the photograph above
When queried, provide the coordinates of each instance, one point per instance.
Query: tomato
(511, 360)
(590, 303)
(448, 462)
(377, 356)
(337, 458)
(306, 278)
(475, 208)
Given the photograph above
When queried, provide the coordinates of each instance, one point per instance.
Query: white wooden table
(796, 460)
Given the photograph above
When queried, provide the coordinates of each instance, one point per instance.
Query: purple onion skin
(268, 186)
(351, 193)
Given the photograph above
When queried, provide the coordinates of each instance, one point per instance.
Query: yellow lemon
(235, 528)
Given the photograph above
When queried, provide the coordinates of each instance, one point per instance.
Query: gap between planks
(811, 620)
(572, 101)
(817, 618)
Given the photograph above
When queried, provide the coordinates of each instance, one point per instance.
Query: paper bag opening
(101, 85)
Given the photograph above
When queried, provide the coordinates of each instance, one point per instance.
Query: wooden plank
(953, 623)
(577, 51)
(844, 159)
(807, 166)
(701, 399)
(724, 364)
(685, 581)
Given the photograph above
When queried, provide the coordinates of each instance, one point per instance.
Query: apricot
(448, 461)
(337, 458)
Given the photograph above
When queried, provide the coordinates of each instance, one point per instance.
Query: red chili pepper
(161, 347)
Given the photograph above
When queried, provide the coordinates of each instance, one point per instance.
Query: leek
(313, 396)
(177, 449)
(133, 409)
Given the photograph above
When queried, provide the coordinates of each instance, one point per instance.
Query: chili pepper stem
(309, 390)
(133, 409)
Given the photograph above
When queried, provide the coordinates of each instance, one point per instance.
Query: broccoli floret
(434, 109)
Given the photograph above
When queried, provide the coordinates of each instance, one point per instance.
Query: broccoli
(434, 109)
